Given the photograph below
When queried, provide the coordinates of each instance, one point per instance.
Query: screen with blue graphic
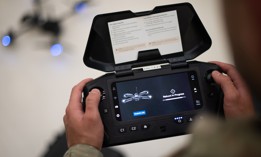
(155, 96)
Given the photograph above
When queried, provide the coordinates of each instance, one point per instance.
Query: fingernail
(217, 73)
(96, 91)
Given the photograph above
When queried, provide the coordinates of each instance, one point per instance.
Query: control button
(103, 98)
(190, 119)
(209, 77)
(133, 128)
(139, 113)
(105, 111)
(103, 95)
(114, 88)
(178, 120)
(192, 77)
(122, 130)
(118, 115)
(145, 126)
(195, 90)
(198, 103)
(211, 94)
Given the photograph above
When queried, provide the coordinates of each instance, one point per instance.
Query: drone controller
(153, 93)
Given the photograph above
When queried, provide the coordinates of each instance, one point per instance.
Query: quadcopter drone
(136, 96)
(47, 25)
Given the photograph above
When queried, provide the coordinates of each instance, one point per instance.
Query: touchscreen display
(156, 96)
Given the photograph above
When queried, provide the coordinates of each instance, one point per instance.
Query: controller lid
(99, 50)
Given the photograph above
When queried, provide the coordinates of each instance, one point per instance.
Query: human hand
(237, 97)
(84, 127)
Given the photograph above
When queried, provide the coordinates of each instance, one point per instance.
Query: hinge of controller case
(151, 58)
(146, 57)
(179, 65)
(120, 72)
(123, 70)
(124, 73)
(175, 63)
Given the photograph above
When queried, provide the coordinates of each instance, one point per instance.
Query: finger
(231, 71)
(225, 83)
(76, 94)
(65, 120)
(227, 68)
(92, 101)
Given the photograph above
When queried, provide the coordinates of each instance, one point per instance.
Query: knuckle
(67, 110)
(89, 99)
(232, 97)
(64, 119)
(92, 117)
(226, 81)
(89, 108)
(231, 65)
(92, 97)
(74, 88)
(226, 78)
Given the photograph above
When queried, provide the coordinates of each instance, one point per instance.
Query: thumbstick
(209, 77)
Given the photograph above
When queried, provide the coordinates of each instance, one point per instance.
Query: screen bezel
(193, 84)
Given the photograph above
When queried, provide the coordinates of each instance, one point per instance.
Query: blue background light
(6, 40)
(80, 6)
(56, 49)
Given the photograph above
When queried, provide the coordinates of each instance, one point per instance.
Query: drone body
(50, 26)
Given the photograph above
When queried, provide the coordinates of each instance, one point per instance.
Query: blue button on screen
(139, 113)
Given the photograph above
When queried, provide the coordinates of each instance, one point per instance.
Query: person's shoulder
(212, 137)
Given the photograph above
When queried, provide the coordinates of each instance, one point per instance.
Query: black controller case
(99, 55)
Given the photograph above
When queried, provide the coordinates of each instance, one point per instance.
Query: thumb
(93, 100)
(224, 81)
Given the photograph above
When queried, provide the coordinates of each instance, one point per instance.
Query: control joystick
(209, 77)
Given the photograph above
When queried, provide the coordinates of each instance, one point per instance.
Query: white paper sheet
(130, 36)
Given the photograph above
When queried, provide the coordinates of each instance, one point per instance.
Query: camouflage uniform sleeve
(212, 137)
(82, 150)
